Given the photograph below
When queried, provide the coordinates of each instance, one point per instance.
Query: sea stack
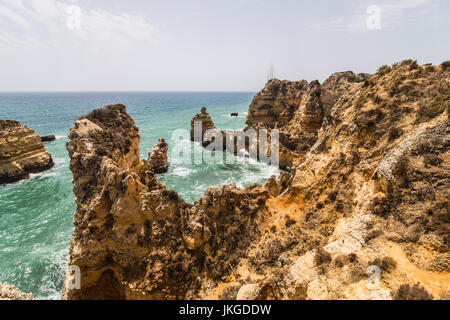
(205, 119)
(21, 152)
(157, 158)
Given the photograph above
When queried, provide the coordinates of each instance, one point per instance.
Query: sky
(209, 45)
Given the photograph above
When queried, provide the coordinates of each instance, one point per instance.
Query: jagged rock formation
(21, 152)
(233, 137)
(276, 104)
(157, 157)
(133, 238)
(206, 123)
(8, 292)
(370, 192)
(336, 86)
(48, 138)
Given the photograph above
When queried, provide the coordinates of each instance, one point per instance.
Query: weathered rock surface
(133, 238)
(275, 105)
(372, 190)
(336, 86)
(8, 292)
(48, 138)
(21, 152)
(157, 158)
(206, 122)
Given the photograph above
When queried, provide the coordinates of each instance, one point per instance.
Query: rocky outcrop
(336, 86)
(8, 292)
(276, 104)
(368, 200)
(48, 138)
(204, 119)
(157, 157)
(134, 239)
(21, 152)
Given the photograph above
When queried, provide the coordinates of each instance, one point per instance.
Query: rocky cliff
(21, 152)
(8, 292)
(367, 199)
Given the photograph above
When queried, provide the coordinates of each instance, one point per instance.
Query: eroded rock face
(206, 122)
(276, 104)
(335, 87)
(21, 152)
(134, 239)
(8, 292)
(157, 158)
(372, 190)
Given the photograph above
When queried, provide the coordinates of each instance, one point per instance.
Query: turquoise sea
(36, 214)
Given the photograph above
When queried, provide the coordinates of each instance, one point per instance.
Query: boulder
(48, 138)
(9, 292)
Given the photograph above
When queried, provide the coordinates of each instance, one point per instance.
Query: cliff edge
(362, 215)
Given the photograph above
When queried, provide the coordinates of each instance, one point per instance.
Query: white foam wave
(182, 172)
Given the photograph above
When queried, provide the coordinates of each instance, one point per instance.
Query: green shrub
(407, 62)
(383, 70)
(408, 292)
(395, 133)
(446, 65)
(322, 257)
(432, 110)
(386, 264)
(380, 206)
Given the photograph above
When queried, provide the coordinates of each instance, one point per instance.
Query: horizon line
(135, 91)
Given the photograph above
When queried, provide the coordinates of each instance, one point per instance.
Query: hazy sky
(207, 45)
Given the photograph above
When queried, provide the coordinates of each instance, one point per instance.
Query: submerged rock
(21, 152)
(235, 114)
(157, 158)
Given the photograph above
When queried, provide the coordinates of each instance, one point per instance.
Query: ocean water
(36, 214)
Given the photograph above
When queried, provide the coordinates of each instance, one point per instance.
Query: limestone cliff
(366, 199)
(21, 152)
(133, 238)
(275, 105)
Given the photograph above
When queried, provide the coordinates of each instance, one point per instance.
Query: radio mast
(271, 73)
